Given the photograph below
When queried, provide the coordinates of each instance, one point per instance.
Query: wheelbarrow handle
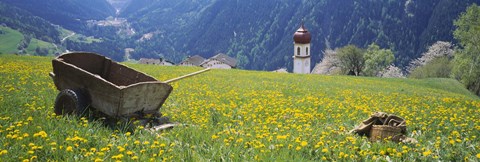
(186, 76)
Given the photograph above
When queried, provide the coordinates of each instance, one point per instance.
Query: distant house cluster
(162, 62)
(192, 61)
(219, 61)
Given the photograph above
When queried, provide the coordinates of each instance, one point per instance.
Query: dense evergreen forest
(257, 33)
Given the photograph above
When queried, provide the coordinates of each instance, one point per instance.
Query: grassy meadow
(237, 115)
(9, 40)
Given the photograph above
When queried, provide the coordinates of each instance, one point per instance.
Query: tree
(438, 49)
(467, 57)
(329, 64)
(392, 72)
(435, 63)
(377, 59)
(41, 51)
(439, 67)
(351, 59)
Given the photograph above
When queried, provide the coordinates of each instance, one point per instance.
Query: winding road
(65, 38)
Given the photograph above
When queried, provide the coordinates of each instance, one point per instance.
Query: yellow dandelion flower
(382, 152)
(105, 149)
(3, 152)
(304, 143)
(117, 157)
(279, 137)
(427, 153)
(452, 142)
(137, 142)
(69, 148)
(325, 150)
(42, 134)
(120, 148)
(298, 148)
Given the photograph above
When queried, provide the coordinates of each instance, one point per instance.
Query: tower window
(307, 51)
(298, 50)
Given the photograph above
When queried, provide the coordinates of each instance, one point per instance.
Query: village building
(192, 61)
(301, 56)
(167, 63)
(220, 61)
(162, 62)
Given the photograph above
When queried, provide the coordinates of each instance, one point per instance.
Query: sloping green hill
(9, 40)
(237, 115)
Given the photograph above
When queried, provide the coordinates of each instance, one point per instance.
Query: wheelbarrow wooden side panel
(114, 89)
(145, 97)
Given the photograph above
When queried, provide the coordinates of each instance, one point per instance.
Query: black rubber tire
(72, 102)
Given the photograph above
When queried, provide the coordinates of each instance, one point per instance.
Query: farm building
(220, 61)
(192, 61)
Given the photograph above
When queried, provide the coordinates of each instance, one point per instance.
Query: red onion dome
(302, 36)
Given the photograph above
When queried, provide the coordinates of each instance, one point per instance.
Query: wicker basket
(381, 132)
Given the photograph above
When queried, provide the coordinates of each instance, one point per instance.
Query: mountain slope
(119, 4)
(27, 23)
(70, 14)
(259, 33)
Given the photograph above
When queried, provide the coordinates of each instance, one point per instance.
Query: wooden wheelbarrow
(88, 81)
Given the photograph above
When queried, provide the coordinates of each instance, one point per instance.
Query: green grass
(34, 43)
(9, 40)
(237, 115)
(64, 32)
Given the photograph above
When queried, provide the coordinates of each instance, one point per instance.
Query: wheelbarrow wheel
(71, 102)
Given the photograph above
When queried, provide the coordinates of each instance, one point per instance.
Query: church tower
(301, 56)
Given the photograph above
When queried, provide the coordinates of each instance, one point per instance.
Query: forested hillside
(259, 33)
(38, 36)
(70, 14)
(28, 24)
